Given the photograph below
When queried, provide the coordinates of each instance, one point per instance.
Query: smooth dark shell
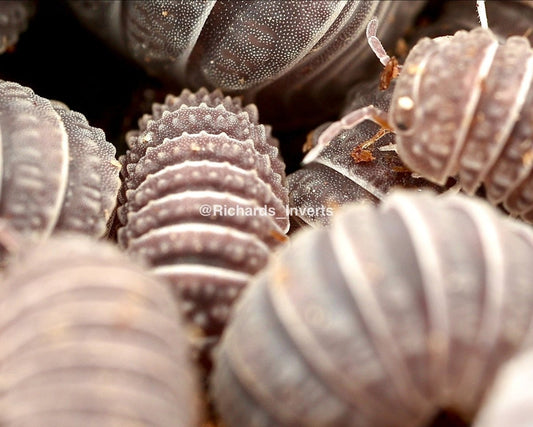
(293, 58)
(202, 151)
(380, 319)
(89, 338)
(58, 172)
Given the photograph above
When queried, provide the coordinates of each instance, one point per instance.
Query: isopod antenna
(482, 14)
(392, 70)
(360, 115)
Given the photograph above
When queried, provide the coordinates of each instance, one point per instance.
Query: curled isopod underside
(58, 173)
(203, 201)
(89, 338)
(293, 58)
(383, 318)
(14, 17)
(356, 166)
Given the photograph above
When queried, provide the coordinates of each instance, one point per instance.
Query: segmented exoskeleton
(293, 58)
(462, 106)
(380, 319)
(359, 165)
(90, 338)
(204, 201)
(58, 173)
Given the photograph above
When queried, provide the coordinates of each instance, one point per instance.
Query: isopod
(204, 201)
(293, 58)
(58, 172)
(356, 166)
(381, 319)
(462, 105)
(90, 338)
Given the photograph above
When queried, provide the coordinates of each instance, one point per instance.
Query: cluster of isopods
(283, 55)
(375, 316)
(351, 169)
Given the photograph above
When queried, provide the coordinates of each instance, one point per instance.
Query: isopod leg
(349, 121)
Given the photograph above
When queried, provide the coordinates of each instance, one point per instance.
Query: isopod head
(435, 99)
(462, 107)
(360, 164)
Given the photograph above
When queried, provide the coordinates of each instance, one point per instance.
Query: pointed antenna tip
(372, 27)
(482, 14)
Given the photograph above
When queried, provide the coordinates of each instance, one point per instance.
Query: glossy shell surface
(89, 338)
(293, 58)
(58, 172)
(474, 119)
(204, 201)
(380, 319)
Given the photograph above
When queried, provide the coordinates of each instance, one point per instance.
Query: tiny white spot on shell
(405, 103)
(200, 319)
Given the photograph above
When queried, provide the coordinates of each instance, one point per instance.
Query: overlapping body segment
(461, 108)
(58, 172)
(204, 201)
(88, 337)
(419, 303)
(294, 58)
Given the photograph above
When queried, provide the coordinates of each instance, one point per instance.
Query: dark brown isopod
(380, 319)
(14, 17)
(89, 338)
(293, 58)
(204, 201)
(463, 105)
(356, 166)
(58, 172)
